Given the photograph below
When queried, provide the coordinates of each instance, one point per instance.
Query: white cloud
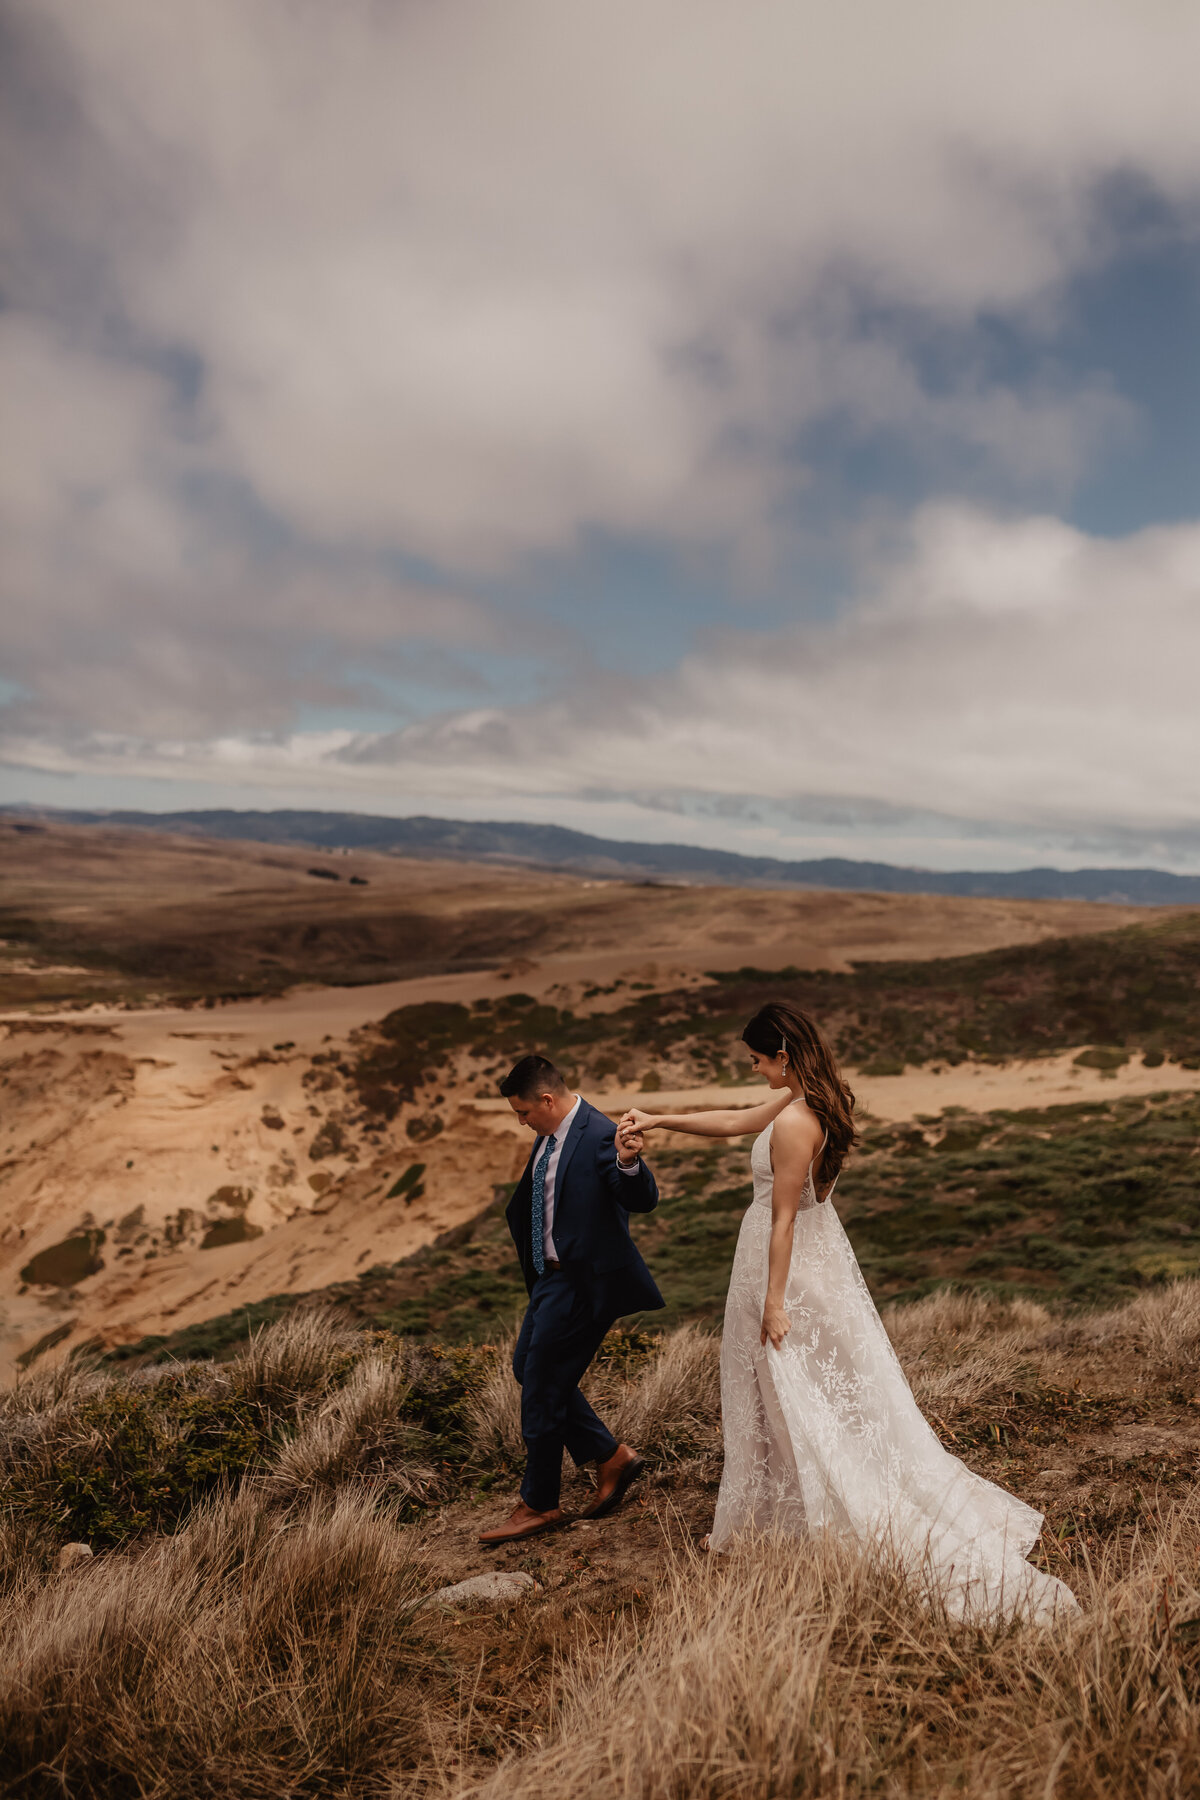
(303, 298)
(127, 608)
(1013, 672)
(470, 278)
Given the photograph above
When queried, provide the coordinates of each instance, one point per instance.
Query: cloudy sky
(773, 425)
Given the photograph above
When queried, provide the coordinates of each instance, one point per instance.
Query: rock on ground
(71, 1555)
(497, 1588)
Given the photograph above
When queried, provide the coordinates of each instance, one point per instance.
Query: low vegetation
(260, 947)
(89, 1453)
(256, 1652)
(1135, 989)
(264, 1627)
(807, 1670)
(1080, 1205)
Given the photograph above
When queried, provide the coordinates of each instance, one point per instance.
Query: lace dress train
(825, 1434)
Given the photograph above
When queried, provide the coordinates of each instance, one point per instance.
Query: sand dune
(196, 1171)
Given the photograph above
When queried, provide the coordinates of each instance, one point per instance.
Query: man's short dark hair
(531, 1077)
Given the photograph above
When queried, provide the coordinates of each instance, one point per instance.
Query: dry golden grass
(494, 1411)
(956, 1347)
(274, 1645)
(1164, 1323)
(670, 1409)
(806, 1669)
(665, 1412)
(948, 1321)
(250, 1654)
(293, 1359)
(358, 1419)
(49, 1389)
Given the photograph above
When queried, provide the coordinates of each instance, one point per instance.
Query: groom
(569, 1218)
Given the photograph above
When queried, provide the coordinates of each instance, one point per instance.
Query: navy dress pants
(557, 1340)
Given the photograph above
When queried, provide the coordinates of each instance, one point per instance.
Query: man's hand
(629, 1141)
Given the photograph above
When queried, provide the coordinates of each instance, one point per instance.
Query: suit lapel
(517, 1210)
(567, 1152)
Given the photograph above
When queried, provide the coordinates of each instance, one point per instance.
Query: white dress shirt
(559, 1135)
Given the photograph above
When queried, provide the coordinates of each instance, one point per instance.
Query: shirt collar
(561, 1130)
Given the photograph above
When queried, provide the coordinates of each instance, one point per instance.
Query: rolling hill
(554, 846)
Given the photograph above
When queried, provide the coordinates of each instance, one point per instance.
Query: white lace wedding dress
(824, 1433)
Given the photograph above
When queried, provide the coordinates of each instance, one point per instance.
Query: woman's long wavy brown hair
(779, 1026)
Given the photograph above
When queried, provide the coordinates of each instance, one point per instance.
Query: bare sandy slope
(100, 913)
(176, 1130)
(155, 1139)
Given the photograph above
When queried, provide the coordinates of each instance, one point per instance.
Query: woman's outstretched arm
(729, 1121)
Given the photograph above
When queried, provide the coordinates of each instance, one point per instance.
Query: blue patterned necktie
(538, 1217)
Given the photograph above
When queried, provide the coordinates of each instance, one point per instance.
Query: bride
(821, 1428)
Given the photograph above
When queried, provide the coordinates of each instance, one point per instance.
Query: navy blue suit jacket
(592, 1204)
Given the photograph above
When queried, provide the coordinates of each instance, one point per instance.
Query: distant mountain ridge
(557, 847)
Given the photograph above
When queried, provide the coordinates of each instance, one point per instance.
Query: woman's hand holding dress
(775, 1325)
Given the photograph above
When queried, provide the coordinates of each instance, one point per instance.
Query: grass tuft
(360, 1425)
(252, 1653)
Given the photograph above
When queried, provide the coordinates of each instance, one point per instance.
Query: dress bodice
(764, 1175)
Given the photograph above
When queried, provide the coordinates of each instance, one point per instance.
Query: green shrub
(1107, 1060)
(410, 1319)
(62, 1265)
(1136, 987)
(217, 1338)
(131, 1460)
(443, 1380)
(628, 1351)
(413, 1039)
(409, 1185)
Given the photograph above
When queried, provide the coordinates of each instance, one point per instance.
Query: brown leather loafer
(523, 1522)
(614, 1479)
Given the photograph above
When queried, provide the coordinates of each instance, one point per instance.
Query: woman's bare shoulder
(797, 1129)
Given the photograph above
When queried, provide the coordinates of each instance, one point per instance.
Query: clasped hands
(631, 1134)
(630, 1139)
